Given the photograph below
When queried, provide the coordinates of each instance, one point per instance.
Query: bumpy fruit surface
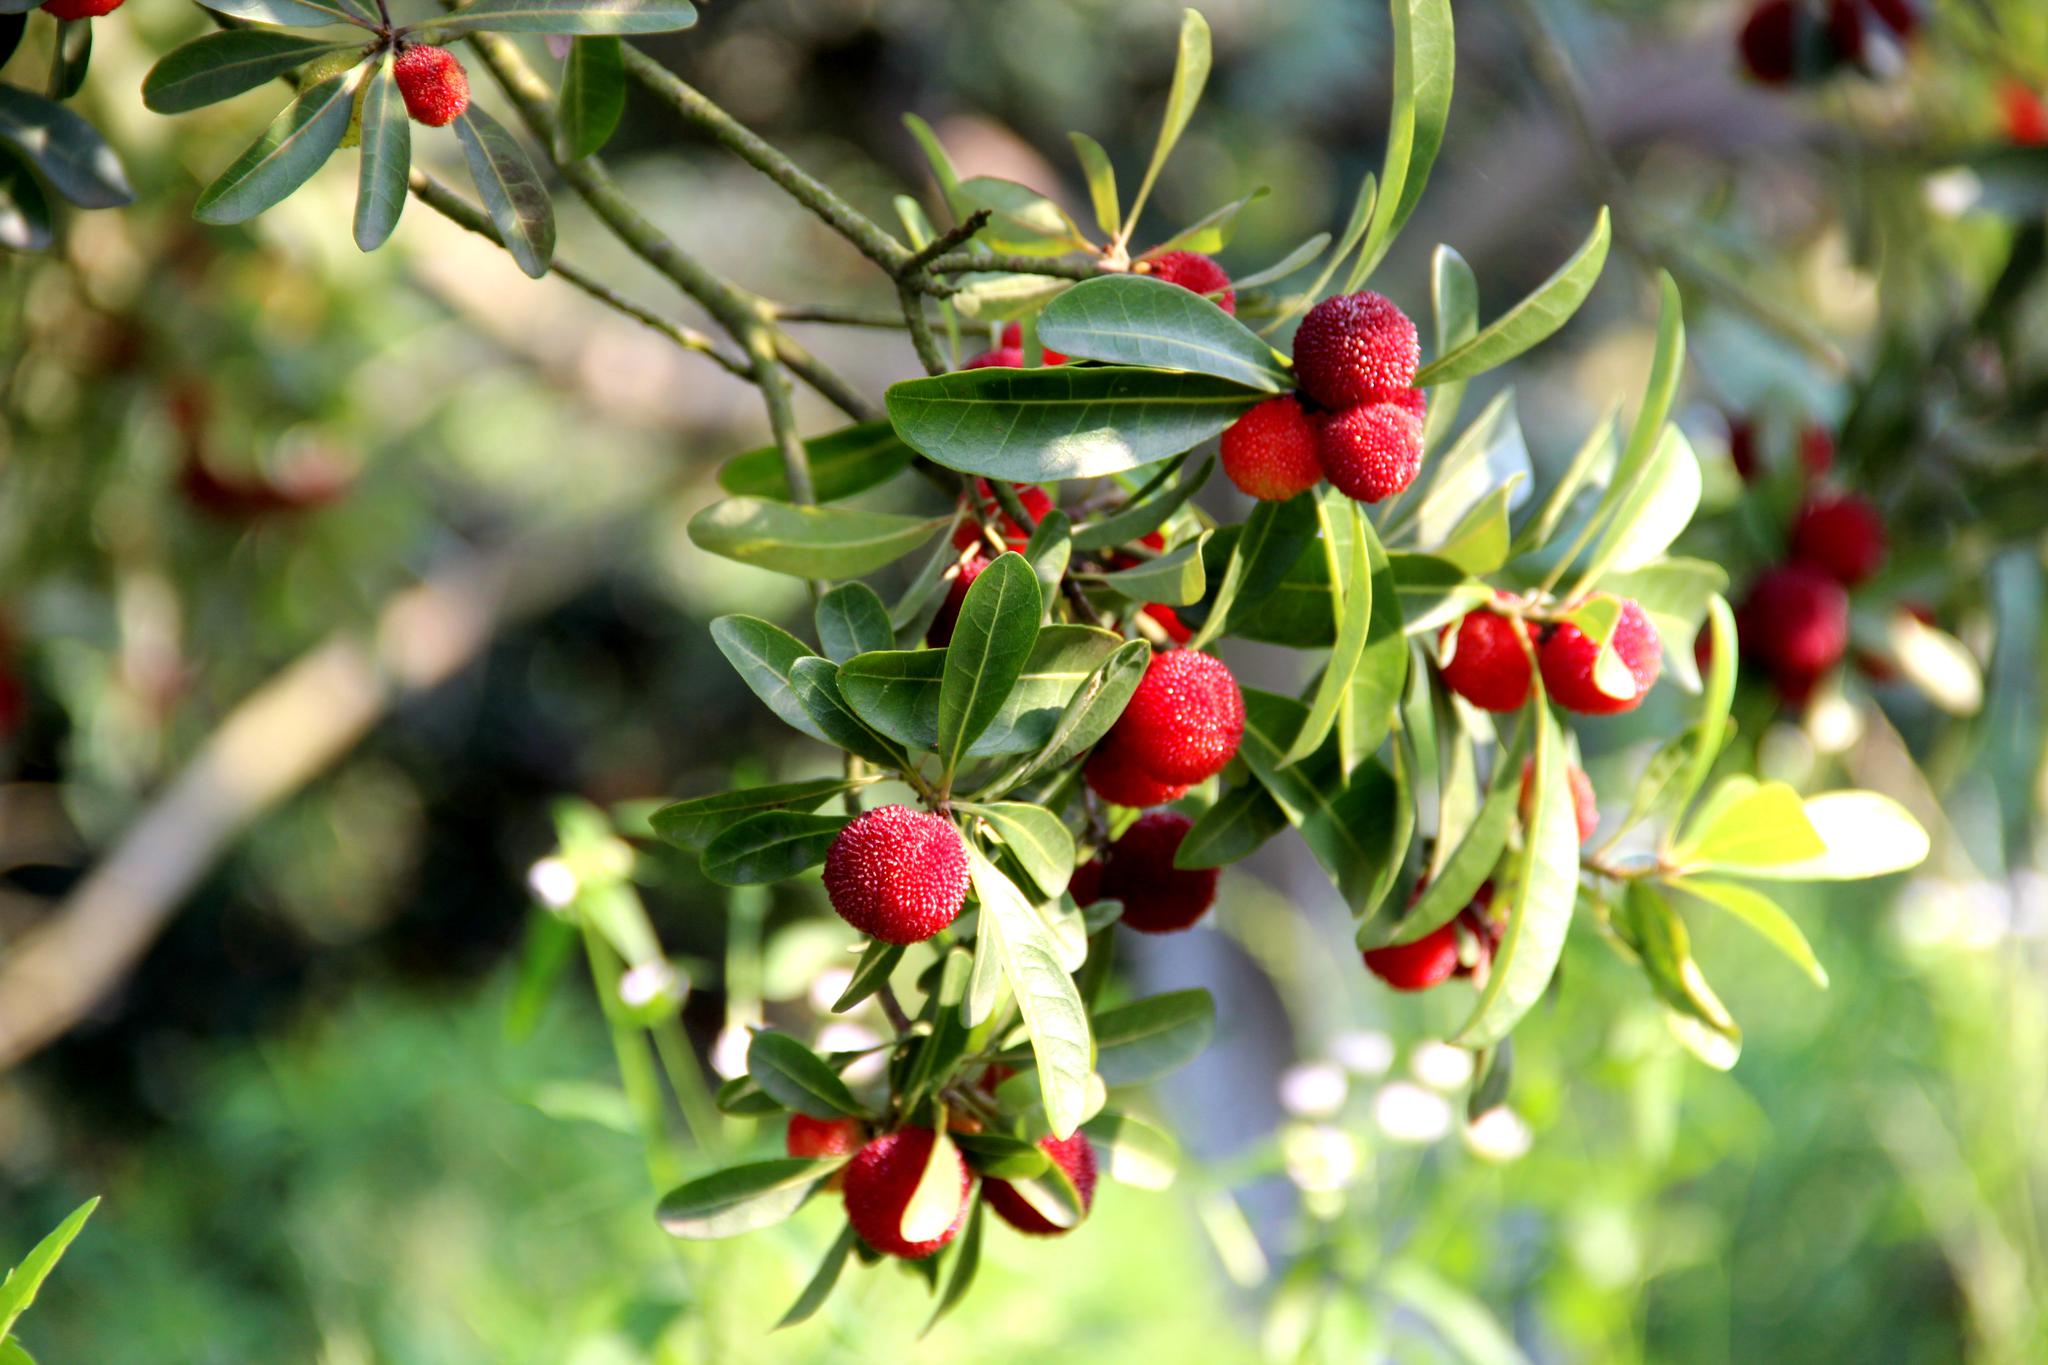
(1075, 1157)
(1270, 452)
(815, 1138)
(80, 9)
(1567, 657)
(1841, 536)
(1035, 499)
(879, 1183)
(1489, 664)
(897, 873)
(1370, 452)
(1356, 348)
(1585, 803)
(1138, 870)
(433, 84)
(1414, 402)
(1193, 271)
(1184, 722)
(1117, 779)
(1795, 622)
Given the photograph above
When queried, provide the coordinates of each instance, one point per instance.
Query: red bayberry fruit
(1742, 448)
(1013, 339)
(1169, 621)
(433, 84)
(1567, 657)
(1429, 961)
(1414, 402)
(879, 1183)
(1193, 271)
(1035, 499)
(1816, 450)
(80, 9)
(1841, 536)
(2024, 115)
(1075, 1157)
(940, 632)
(1113, 776)
(1771, 38)
(1010, 354)
(1585, 804)
(1489, 665)
(1138, 870)
(815, 1138)
(1270, 452)
(1371, 451)
(1184, 722)
(1356, 348)
(1477, 920)
(897, 873)
(1795, 622)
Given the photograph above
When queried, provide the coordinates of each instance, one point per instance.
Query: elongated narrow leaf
(852, 620)
(1238, 825)
(27, 1277)
(1048, 552)
(1090, 712)
(992, 641)
(1275, 537)
(966, 1262)
(1698, 1018)
(1175, 578)
(689, 824)
(593, 95)
(809, 542)
(70, 58)
(1767, 824)
(741, 1198)
(798, 1079)
(764, 655)
(843, 463)
(770, 847)
(221, 65)
(1286, 265)
(24, 211)
(897, 692)
(1649, 514)
(1760, 913)
(1353, 603)
(510, 188)
(1136, 320)
(1054, 1016)
(822, 1282)
(1866, 834)
(1021, 220)
(1211, 232)
(1541, 891)
(1477, 854)
(296, 145)
(877, 962)
(1066, 422)
(1001, 1155)
(386, 159)
(1349, 825)
(1101, 178)
(1424, 56)
(1133, 1152)
(1148, 1038)
(1042, 846)
(1454, 298)
(1190, 74)
(1587, 467)
(1532, 320)
(561, 17)
(64, 149)
(1367, 714)
(296, 13)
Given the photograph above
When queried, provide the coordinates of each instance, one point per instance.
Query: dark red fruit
(880, 1180)
(1270, 452)
(1184, 722)
(1567, 657)
(940, 632)
(897, 873)
(1113, 776)
(1842, 536)
(816, 1138)
(968, 533)
(1795, 623)
(1489, 665)
(1193, 271)
(1138, 870)
(1168, 620)
(432, 83)
(1370, 452)
(1356, 348)
(1075, 1157)
(1429, 961)
(1771, 38)
(80, 9)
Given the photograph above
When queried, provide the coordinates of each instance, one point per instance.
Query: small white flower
(552, 882)
(1313, 1090)
(1320, 1159)
(1441, 1066)
(650, 981)
(1406, 1112)
(1366, 1052)
(729, 1053)
(1499, 1134)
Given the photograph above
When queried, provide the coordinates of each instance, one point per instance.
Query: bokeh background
(389, 552)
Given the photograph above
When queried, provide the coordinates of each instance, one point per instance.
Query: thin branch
(1059, 267)
(920, 326)
(838, 315)
(952, 237)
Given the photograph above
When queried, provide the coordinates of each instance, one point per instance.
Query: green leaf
(769, 847)
(1488, 453)
(798, 1079)
(1101, 177)
(544, 952)
(1175, 578)
(1048, 552)
(295, 145)
(1090, 712)
(1237, 826)
(510, 188)
(1865, 834)
(64, 149)
(1054, 1016)
(1496, 1071)
(935, 154)
(1349, 827)
(1424, 57)
(295, 13)
(809, 542)
(897, 691)
(843, 463)
(1541, 889)
(877, 962)
(985, 983)
(1532, 320)
(1286, 265)
(1666, 364)
(1765, 824)
(1211, 232)
(593, 95)
(1454, 299)
(1148, 1038)
(1000, 1155)
(742, 1198)
(1649, 513)
(1021, 220)
(1276, 536)
(24, 212)
(70, 57)
(690, 824)
(822, 1282)
(221, 65)
(1594, 454)
(966, 1261)
(1137, 320)
(1696, 1015)
(852, 620)
(1673, 594)
(1762, 914)
(992, 642)
(27, 1278)
(1042, 846)
(1190, 74)
(765, 656)
(386, 159)
(1133, 1152)
(1477, 853)
(560, 17)
(1353, 605)
(1052, 1196)
(741, 1098)
(1066, 422)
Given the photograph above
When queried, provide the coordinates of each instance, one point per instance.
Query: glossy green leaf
(1237, 826)
(798, 1079)
(64, 149)
(70, 58)
(24, 211)
(1648, 514)
(843, 463)
(897, 691)
(822, 1282)
(1211, 232)
(992, 642)
(1137, 320)
(852, 620)
(1133, 1152)
(1021, 220)
(593, 95)
(1766, 824)
(1004, 296)
(1367, 714)
(1349, 826)
(385, 161)
(221, 65)
(1488, 453)
(966, 1262)
(1048, 552)
(509, 186)
(809, 542)
(935, 154)
(1066, 422)
(1496, 1072)
(690, 824)
(1149, 1038)
(1454, 300)
(1089, 713)
(1349, 568)
(19, 1290)
(1175, 578)
(1477, 854)
(295, 145)
(742, 1198)
(765, 656)
(1286, 265)
(1865, 834)
(1101, 178)
(1698, 1018)
(1190, 74)
(1424, 59)
(1760, 913)
(1667, 362)
(295, 13)
(1532, 320)
(1054, 1016)
(741, 1098)
(1275, 537)
(1000, 1155)
(770, 847)
(1586, 467)
(560, 17)
(1042, 846)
